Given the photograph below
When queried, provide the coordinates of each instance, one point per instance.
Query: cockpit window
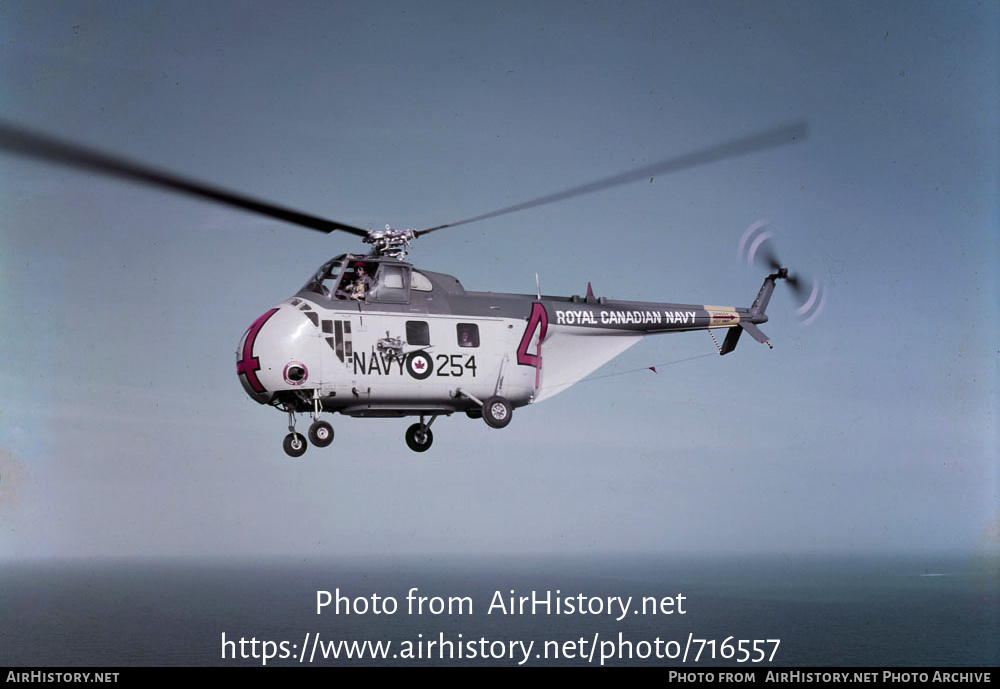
(393, 279)
(419, 282)
(358, 280)
(324, 282)
(392, 284)
(353, 278)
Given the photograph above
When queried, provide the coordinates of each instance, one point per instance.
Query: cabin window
(468, 334)
(418, 333)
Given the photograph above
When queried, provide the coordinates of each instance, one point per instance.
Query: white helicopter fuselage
(363, 360)
(416, 343)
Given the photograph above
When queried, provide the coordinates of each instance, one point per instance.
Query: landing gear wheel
(474, 413)
(295, 444)
(320, 433)
(497, 412)
(419, 437)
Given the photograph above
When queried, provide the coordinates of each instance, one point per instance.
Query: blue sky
(123, 428)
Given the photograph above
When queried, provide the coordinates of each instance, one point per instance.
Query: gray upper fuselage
(399, 287)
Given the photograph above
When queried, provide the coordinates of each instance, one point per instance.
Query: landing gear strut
(320, 432)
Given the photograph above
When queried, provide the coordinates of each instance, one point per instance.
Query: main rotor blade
(42, 147)
(771, 138)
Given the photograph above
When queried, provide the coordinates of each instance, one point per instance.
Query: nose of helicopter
(248, 359)
(273, 353)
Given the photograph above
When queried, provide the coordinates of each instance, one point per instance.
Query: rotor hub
(390, 242)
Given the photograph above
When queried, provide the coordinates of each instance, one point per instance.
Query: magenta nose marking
(248, 364)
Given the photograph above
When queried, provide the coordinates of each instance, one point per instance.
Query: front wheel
(295, 445)
(419, 437)
(320, 433)
(497, 412)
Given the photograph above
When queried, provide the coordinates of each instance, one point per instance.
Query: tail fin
(756, 315)
(733, 337)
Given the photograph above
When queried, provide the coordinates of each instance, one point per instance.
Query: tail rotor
(757, 247)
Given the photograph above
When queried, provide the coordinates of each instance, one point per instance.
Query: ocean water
(824, 611)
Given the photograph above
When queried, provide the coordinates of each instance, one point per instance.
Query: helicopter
(372, 335)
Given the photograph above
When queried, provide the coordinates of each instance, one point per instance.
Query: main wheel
(497, 412)
(295, 445)
(320, 433)
(419, 437)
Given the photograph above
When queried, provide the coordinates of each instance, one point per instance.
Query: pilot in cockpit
(358, 287)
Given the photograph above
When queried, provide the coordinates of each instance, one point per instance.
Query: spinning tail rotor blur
(757, 246)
